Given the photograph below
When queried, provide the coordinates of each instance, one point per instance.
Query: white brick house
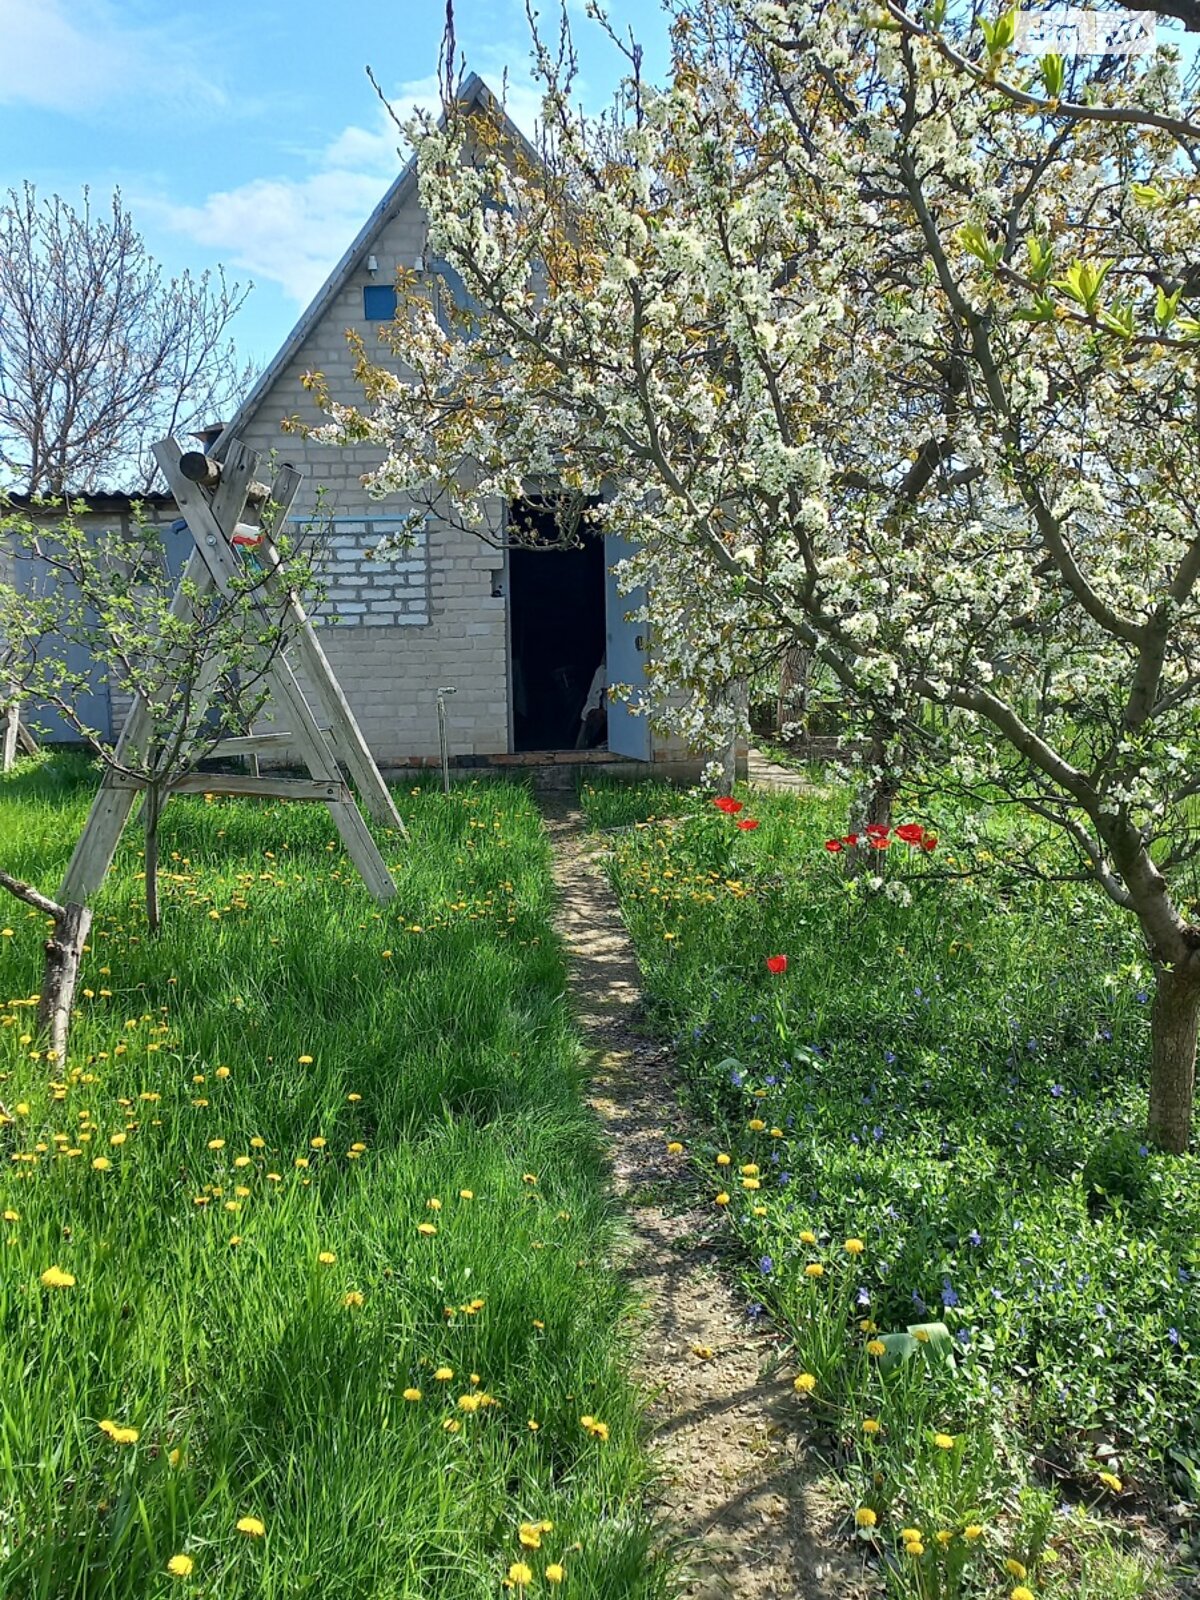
(518, 635)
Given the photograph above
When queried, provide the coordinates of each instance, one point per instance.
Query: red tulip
(911, 833)
(776, 964)
(833, 846)
(929, 842)
(850, 839)
(747, 824)
(877, 830)
(727, 804)
(880, 841)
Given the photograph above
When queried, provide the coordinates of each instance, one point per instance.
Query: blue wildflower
(1057, 1090)
(919, 1304)
(765, 1265)
(949, 1298)
(975, 1238)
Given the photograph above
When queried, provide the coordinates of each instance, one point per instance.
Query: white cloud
(292, 231)
(77, 57)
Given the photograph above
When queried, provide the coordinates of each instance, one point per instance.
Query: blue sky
(245, 131)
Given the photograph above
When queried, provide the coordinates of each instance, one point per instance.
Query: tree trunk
(64, 948)
(792, 706)
(151, 812)
(738, 695)
(873, 801)
(1174, 1024)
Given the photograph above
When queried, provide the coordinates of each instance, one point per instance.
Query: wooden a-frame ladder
(224, 504)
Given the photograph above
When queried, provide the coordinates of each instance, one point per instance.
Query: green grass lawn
(931, 1121)
(323, 1220)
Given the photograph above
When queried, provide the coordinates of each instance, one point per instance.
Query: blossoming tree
(880, 340)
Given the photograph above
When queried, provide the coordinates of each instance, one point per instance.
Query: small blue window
(379, 302)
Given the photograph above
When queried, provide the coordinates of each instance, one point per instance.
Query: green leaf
(975, 241)
(1166, 306)
(1041, 258)
(1118, 319)
(1083, 283)
(1042, 310)
(1054, 75)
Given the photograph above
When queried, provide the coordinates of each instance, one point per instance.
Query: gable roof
(474, 92)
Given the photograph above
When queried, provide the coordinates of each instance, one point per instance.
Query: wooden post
(8, 735)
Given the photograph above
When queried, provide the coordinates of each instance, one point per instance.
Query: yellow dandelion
(427, 1228)
(444, 1374)
(814, 1269)
(555, 1572)
(216, 1144)
(872, 1425)
(723, 1160)
(519, 1575)
(674, 1148)
(914, 1548)
(756, 1124)
(56, 1278)
(1021, 1593)
(703, 1351)
(412, 1395)
(1111, 1481)
(722, 1199)
(943, 1537)
(973, 1530)
(305, 1061)
(944, 1441)
(876, 1347)
(805, 1383)
(180, 1566)
(530, 1535)
(466, 1194)
(318, 1143)
(119, 1434)
(252, 1527)
(326, 1258)
(864, 1517)
(854, 1247)
(354, 1298)
(101, 1164)
(808, 1238)
(1015, 1568)
(433, 1205)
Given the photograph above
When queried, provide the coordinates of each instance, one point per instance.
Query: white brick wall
(361, 589)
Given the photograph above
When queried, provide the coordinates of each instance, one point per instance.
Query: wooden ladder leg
(98, 842)
(362, 849)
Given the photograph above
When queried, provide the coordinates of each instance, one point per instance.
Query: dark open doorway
(556, 612)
